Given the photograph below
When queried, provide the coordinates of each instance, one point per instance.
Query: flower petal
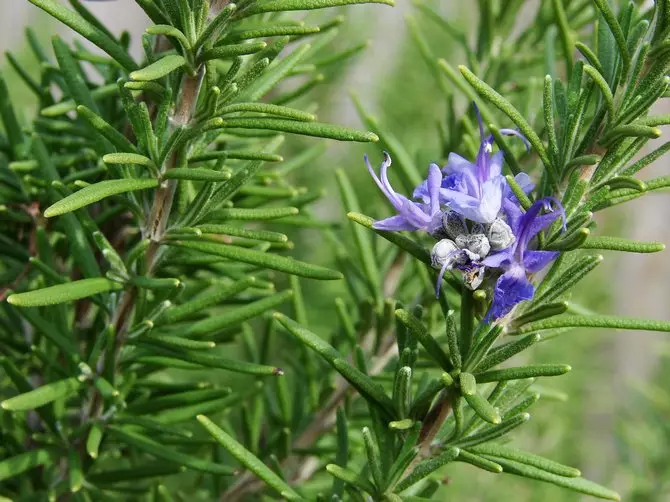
(511, 288)
(394, 224)
(500, 259)
(534, 261)
(457, 164)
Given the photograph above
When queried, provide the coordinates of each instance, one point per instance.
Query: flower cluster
(481, 228)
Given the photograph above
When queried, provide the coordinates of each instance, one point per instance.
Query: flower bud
(500, 235)
(454, 224)
(477, 244)
(444, 251)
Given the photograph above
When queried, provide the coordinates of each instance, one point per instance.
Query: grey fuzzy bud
(477, 244)
(500, 235)
(444, 251)
(453, 224)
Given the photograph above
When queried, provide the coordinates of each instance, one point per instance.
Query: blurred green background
(615, 426)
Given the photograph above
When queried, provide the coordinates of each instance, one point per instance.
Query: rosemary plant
(145, 220)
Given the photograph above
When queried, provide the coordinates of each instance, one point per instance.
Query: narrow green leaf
(575, 484)
(260, 214)
(361, 382)
(238, 315)
(604, 89)
(408, 170)
(169, 31)
(351, 478)
(361, 237)
(13, 466)
(538, 370)
(229, 51)
(620, 244)
(271, 31)
(402, 390)
(373, 456)
(65, 292)
(541, 312)
(273, 75)
(615, 27)
(214, 361)
(501, 451)
(416, 328)
(165, 453)
(263, 235)
(96, 192)
(315, 129)
(128, 158)
(508, 109)
(596, 321)
(93, 440)
(196, 174)
(287, 5)
(42, 395)
(207, 299)
(495, 432)
(88, 31)
(478, 404)
(274, 262)
(427, 467)
(478, 461)
(506, 351)
(413, 248)
(518, 192)
(69, 105)
(269, 109)
(116, 138)
(159, 69)
(249, 460)
(142, 471)
(187, 412)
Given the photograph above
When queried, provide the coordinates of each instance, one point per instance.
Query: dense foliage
(145, 224)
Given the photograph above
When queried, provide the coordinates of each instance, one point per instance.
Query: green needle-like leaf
(13, 466)
(288, 5)
(351, 478)
(416, 328)
(42, 395)
(371, 390)
(88, 31)
(274, 262)
(96, 192)
(315, 129)
(62, 293)
(615, 27)
(596, 321)
(538, 370)
(168, 454)
(620, 244)
(249, 460)
(128, 158)
(523, 457)
(576, 484)
(508, 109)
(197, 174)
(159, 69)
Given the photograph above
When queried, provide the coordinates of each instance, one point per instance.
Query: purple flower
(475, 190)
(411, 215)
(518, 260)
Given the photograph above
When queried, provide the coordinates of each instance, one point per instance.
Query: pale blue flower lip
(411, 215)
